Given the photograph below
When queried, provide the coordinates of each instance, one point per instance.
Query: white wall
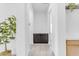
(41, 22)
(72, 22)
(18, 46)
(61, 30)
(29, 27)
(58, 29)
(53, 28)
(20, 35)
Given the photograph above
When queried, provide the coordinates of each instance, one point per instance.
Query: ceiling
(40, 7)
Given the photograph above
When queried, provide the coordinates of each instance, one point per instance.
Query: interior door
(72, 47)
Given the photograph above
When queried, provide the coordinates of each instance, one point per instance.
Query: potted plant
(71, 6)
(12, 21)
(7, 32)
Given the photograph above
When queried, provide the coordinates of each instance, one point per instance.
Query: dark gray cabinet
(40, 38)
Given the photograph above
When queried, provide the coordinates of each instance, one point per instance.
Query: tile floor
(40, 50)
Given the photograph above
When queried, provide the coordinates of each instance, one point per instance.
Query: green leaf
(7, 30)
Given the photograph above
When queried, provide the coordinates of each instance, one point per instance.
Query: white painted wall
(57, 14)
(72, 22)
(53, 28)
(29, 27)
(20, 35)
(18, 46)
(61, 30)
(41, 22)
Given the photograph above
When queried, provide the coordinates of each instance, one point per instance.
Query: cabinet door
(72, 47)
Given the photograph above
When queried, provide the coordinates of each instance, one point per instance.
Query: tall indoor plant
(7, 32)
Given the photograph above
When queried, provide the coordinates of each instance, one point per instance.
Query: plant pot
(6, 53)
